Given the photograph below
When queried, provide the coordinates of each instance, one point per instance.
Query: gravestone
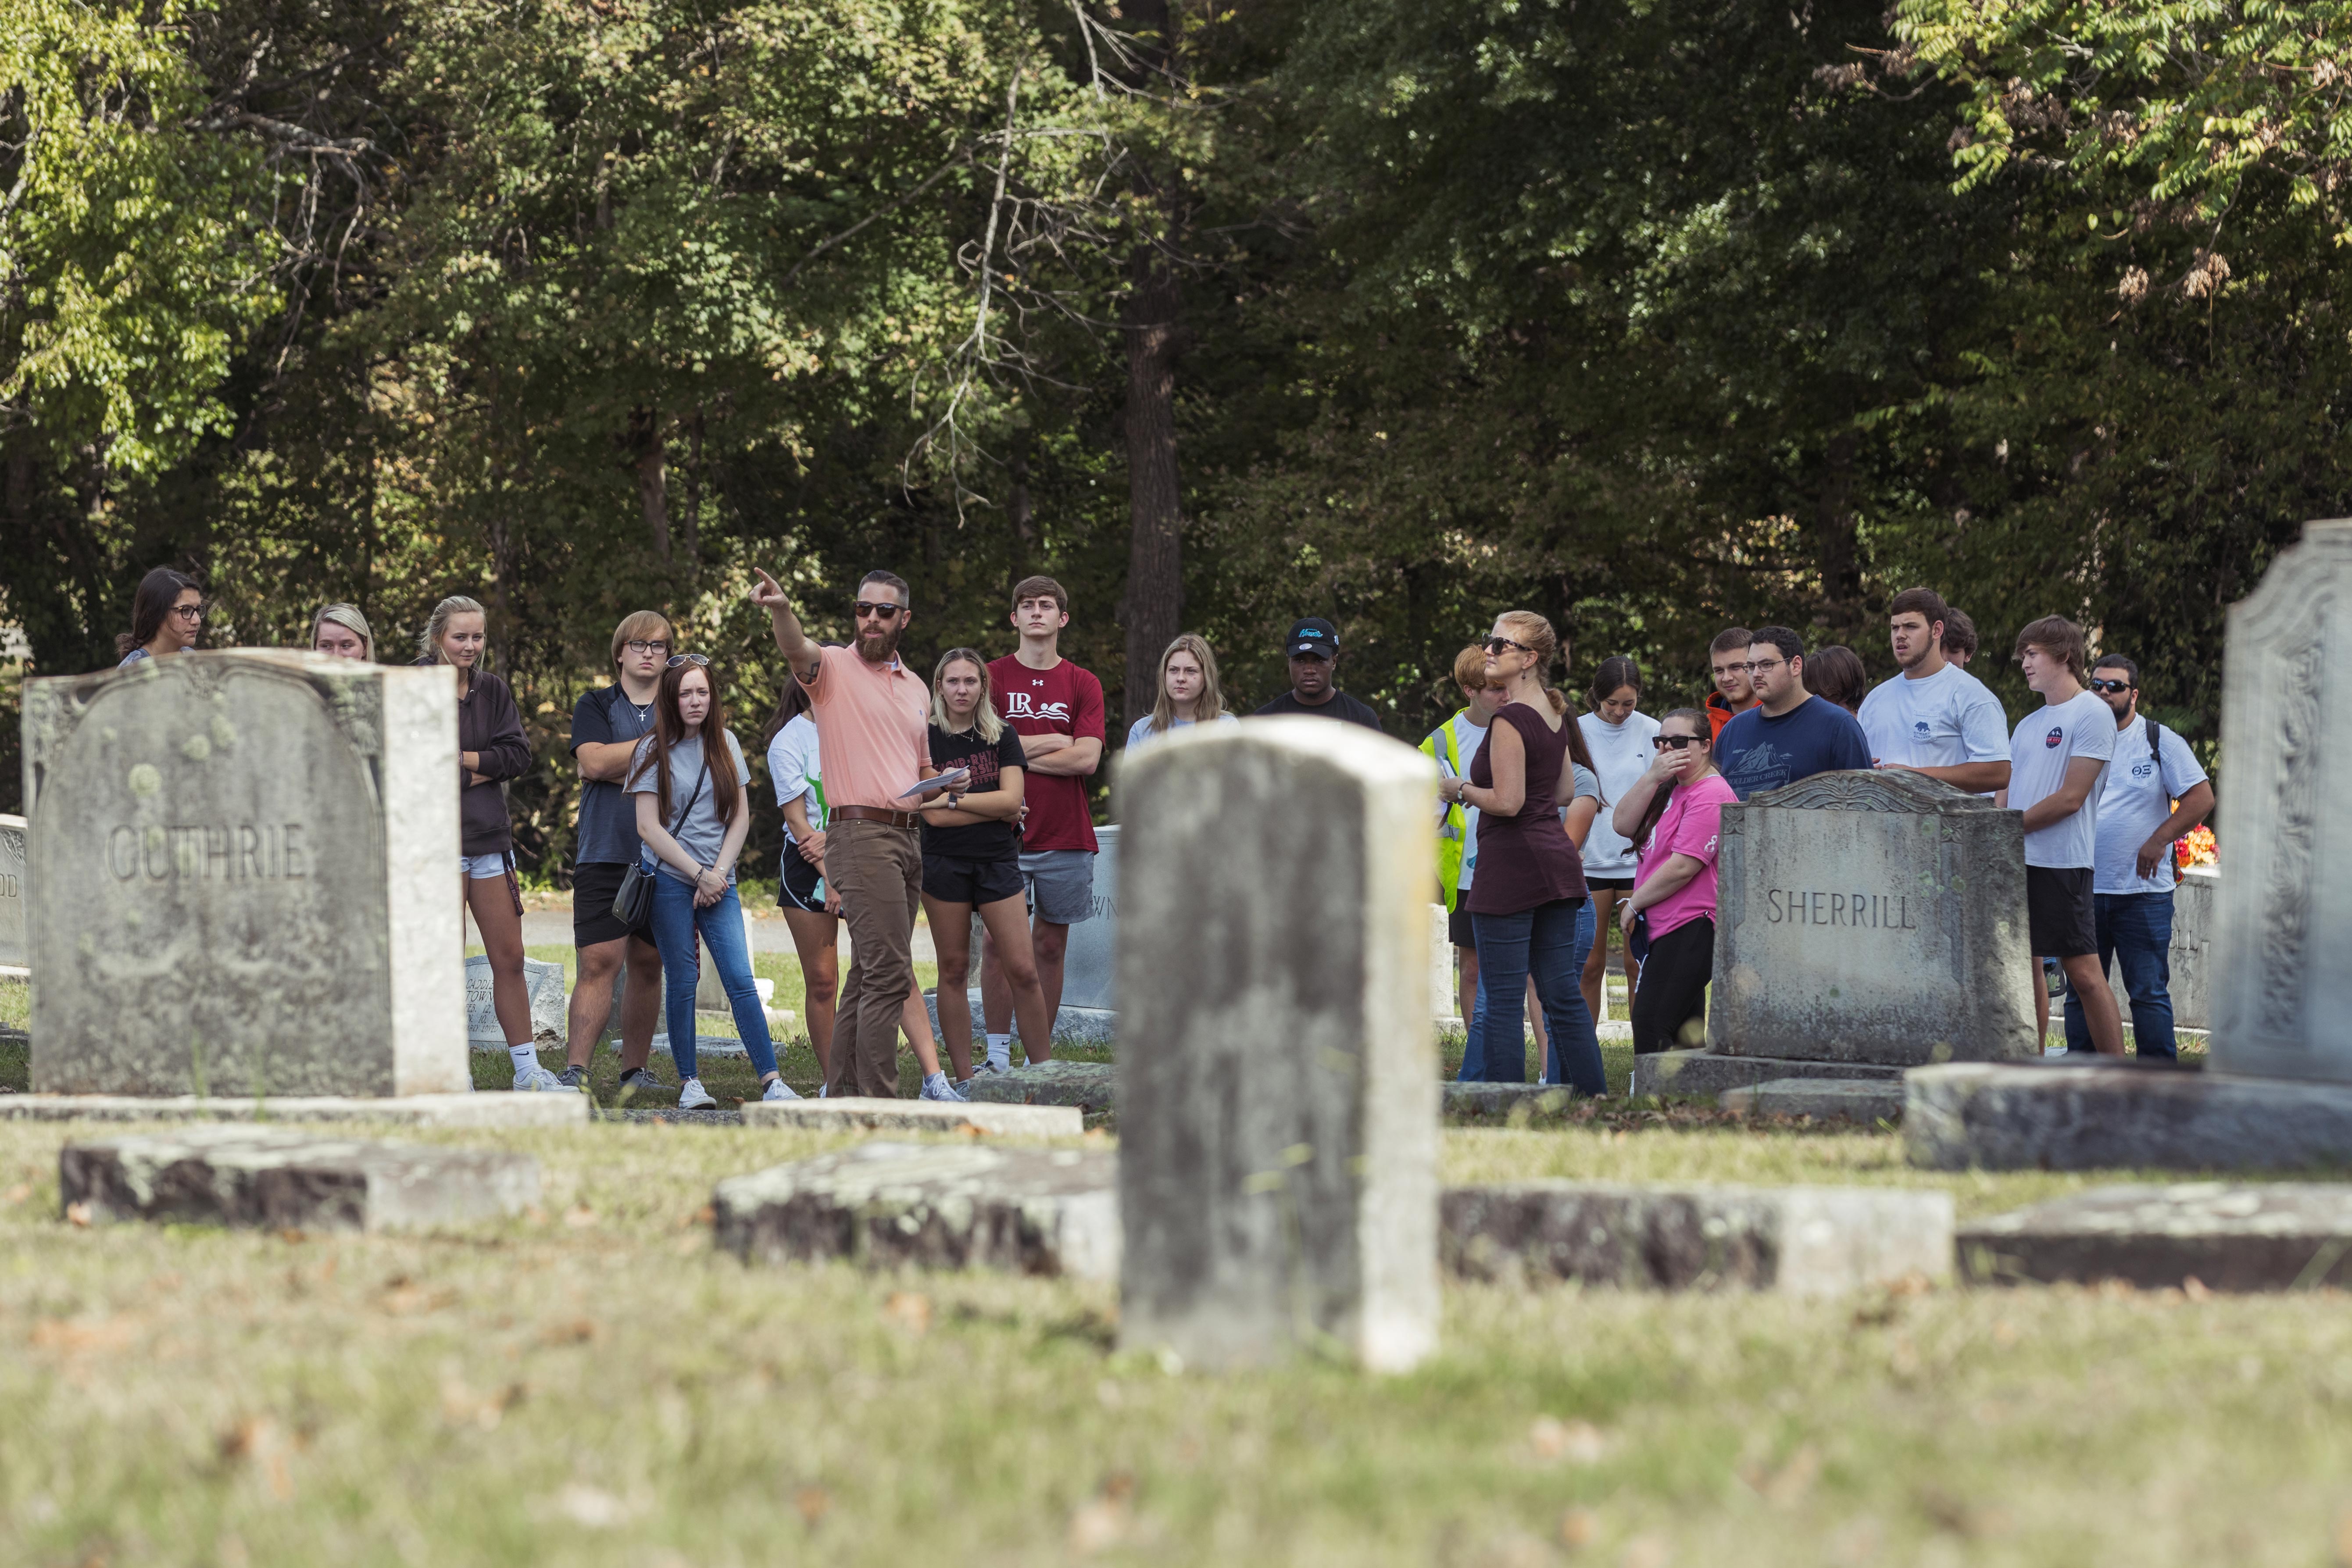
(13, 954)
(1872, 920)
(861, 1113)
(545, 983)
(1089, 1012)
(2277, 1091)
(243, 870)
(2277, 1236)
(1278, 1085)
(2190, 957)
(274, 1179)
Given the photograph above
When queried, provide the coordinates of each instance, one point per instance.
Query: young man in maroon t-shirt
(1058, 711)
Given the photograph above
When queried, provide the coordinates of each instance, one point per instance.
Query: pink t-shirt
(873, 729)
(1691, 825)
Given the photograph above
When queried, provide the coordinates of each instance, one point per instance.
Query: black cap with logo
(1314, 636)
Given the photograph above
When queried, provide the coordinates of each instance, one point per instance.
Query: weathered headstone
(1092, 1087)
(273, 1179)
(543, 982)
(1028, 1211)
(864, 1114)
(1800, 1241)
(2279, 1236)
(2191, 955)
(1277, 1083)
(1873, 919)
(467, 1109)
(13, 954)
(243, 870)
(1865, 1099)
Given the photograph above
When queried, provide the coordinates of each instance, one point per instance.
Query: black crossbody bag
(633, 905)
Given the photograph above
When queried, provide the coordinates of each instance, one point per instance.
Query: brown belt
(876, 813)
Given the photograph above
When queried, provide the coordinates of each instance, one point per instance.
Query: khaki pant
(878, 871)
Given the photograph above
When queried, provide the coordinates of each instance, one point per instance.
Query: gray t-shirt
(703, 830)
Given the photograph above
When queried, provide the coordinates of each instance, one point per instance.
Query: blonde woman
(491, 748)
(342, 631)
(971, 859)
(1188, 692)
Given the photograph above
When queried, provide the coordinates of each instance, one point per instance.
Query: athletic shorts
(483, 867)
(1458, 924)
(1061, 884)
(592, 919)
(800, 887)
(2059, 922)
(1609, 884)
(954, 880)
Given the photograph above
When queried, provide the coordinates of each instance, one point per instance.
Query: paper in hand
(954, 778)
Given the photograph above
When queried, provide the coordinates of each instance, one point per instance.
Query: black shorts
(954, 880)
(798, 888)
(2058, 912)
(1458, 924)
(1609, 884)
(592, 919)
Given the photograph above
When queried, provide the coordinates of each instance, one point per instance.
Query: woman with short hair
(971, 862)
(1675, 813)
(694, 811)
(1187, 694)
(341, 630)
(491, 748)
(167, 611)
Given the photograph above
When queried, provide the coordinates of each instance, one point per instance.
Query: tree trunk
(1155, 562)
(645, 444)
(1837, 546)
(1018, 507)
(689, 530)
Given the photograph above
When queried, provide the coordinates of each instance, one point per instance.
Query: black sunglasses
(1677, 742)
(887, 612)
(1498, 647)
(677, 658)
(2117, 687)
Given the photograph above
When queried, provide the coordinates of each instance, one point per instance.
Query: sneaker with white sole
(989, 1069)
(692, 1096)
(539, 1081)
(634, 1083)
(779, 1089)
(937, 1087)
(573, 1077)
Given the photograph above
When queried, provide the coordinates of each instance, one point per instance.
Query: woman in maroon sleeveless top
(1530, 890)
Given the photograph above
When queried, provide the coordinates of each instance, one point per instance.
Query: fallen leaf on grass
(258, 1441)
(19, 1192)
(403, 1296)
(911, 1310)
(462, 1406)
(814, 1503)
(578, 1332)
(580, 1216)
(81, 1338)
(1104, 1520)
(1577, 1528)
(1578, 1442)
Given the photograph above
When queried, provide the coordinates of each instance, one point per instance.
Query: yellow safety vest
(1455, 829)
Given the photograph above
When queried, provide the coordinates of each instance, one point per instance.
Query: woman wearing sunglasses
(1675, 814)
(1527, 900)
(166, 614)
(694, 810)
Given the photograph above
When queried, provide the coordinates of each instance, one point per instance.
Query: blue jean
(2135, 930)
(676, 922)
(1550, 943)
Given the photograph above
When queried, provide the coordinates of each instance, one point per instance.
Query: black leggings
(1672, 987)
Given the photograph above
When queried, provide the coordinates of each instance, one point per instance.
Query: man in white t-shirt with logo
(1934, 718)
(2154, 792)
(2057, 758)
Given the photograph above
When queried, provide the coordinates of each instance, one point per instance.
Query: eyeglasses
(189, 612)
(1498, 647)
(677, 658)
(1760, 665)
(880, 612)
(638, 644)
(2117, 687)
(1677, 742)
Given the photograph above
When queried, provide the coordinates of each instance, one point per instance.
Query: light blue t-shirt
(1142, 731)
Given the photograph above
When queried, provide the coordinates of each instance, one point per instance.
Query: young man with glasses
(1313, 651)
(2153, 793)
(1727, 662)
(606, 724)
(2057, 758)
(1056, 709)
(873, 728)
(1933, 717)
(1789, 734)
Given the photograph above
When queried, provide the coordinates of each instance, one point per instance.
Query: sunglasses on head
(1677, 742)
(2117, 687)
(677, 658)
(886, 612)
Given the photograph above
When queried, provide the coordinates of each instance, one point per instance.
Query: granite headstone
(12, 892)
(1277, 1086)
(543, 981)
(243, 870)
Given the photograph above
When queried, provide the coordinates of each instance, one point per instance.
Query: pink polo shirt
(873, 729)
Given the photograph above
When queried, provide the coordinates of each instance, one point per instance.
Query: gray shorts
(1061, 884)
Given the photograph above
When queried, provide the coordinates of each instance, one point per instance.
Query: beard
(878, 647)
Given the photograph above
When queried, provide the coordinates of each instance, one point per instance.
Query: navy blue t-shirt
(608, 818)
(1817, 736)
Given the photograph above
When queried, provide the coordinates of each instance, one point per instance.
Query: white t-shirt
(1940, 720)
(794, 767)
(2135, 798)
(1621, 756)
(1143, 732)
(2047, 740)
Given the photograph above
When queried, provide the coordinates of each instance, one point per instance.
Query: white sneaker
(779, 1089)
(991, 1069)
(937, 1087)
(692, 1096)
(538, 1080)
